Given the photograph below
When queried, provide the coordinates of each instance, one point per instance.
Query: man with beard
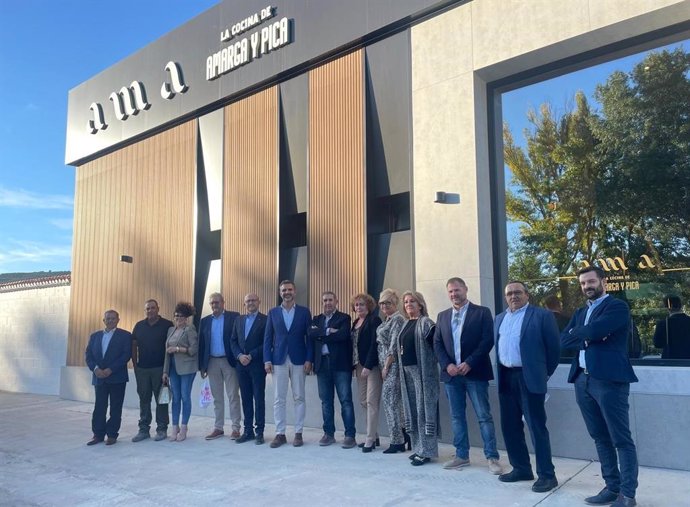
(464, 337)
(602, 374)
(288, 356)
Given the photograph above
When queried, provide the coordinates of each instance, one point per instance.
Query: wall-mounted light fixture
(126, 258)
(447, 198)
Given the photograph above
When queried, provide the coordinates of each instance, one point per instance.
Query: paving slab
(44, 462)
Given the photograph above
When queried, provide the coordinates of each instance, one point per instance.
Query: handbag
(164, 395)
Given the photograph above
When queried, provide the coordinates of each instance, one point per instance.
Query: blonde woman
(419, 378)
(393, 322)
(180, 367)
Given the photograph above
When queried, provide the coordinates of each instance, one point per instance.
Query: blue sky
(48, 47)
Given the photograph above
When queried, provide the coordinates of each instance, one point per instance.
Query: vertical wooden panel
(138, 201)
(337, 181)
(250, 199)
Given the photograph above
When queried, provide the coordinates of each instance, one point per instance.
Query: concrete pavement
(44, 461)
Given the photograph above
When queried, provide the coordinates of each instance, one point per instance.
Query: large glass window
(597, 171)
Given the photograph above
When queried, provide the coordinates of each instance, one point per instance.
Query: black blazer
(678, 346)
(606, 334)
(476, 341)
(339, 343)
(366, 344)
(253, 345)
(205, 339)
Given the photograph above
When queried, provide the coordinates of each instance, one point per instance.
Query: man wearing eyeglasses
(527, 352)
(247, 342)
(217, 361)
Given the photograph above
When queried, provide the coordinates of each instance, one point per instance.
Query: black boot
(407, 442)
(394, 448)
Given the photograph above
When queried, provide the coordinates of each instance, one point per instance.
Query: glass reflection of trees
(608, 185)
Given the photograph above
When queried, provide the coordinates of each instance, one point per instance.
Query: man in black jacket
(330, 334)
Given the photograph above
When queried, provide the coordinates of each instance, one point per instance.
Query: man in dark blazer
(247, 343)
(602, 374)
(672, 334)
(462, 342)
(106, 356)
(527, 351)
(330, 335)
(288, 358)
(217, 361)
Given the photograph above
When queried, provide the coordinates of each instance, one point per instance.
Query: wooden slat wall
(138, 201)
(337, 180)
(250, 197)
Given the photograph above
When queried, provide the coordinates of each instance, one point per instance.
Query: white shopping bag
(205, 396)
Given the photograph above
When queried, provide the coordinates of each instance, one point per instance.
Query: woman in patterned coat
(419, 378)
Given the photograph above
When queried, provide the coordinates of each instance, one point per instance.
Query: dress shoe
(278, 441)
(515, 476)
(494, 466)
(142, 435)
(604, 497)
(111, 441)
(624, 501)
(216, 433)
(419, 461)
(456, 463)
(368, 448)
(160, 435)
(395, 448)
(412, 456)
(95, 440)
(349, 443)
(326, 440)
(235, 435)
(259, 439)
(298, 442)
(544, 484)
(246, 437)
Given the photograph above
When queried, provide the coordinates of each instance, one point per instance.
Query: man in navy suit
(527, 351)
(247, 343)
(218, 363)
(330, 334)
(288, 358)
(106, 356)
(462, 342)
(602, 374)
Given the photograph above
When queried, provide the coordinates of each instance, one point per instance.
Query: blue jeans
(457, 388)
(340, 382)
(181, 387)
(605, 409)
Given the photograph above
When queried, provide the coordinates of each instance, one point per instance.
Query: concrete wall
(33, 339)
(454, 56)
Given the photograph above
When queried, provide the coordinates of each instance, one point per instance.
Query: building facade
(350, 146)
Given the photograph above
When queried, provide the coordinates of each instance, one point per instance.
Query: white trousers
(281, 375)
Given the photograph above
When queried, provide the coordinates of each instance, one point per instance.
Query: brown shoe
(216, 433)
(234, 435)
(298, 442)
(110, 441)
(95, 440)
(349, 443)
(278, 441)
(326, 439)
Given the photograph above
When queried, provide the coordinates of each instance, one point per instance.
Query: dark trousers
(252, 380)
(605, 409)
(113, 394)
(516, 401)
(148, 386)
(331, 382)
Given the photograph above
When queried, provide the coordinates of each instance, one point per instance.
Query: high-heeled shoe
(407, 442)
(183, 433)
(175, 431)
(368, 448)
(377, 442)
(395, 448)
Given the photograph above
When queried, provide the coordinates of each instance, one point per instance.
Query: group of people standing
(399, 357)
